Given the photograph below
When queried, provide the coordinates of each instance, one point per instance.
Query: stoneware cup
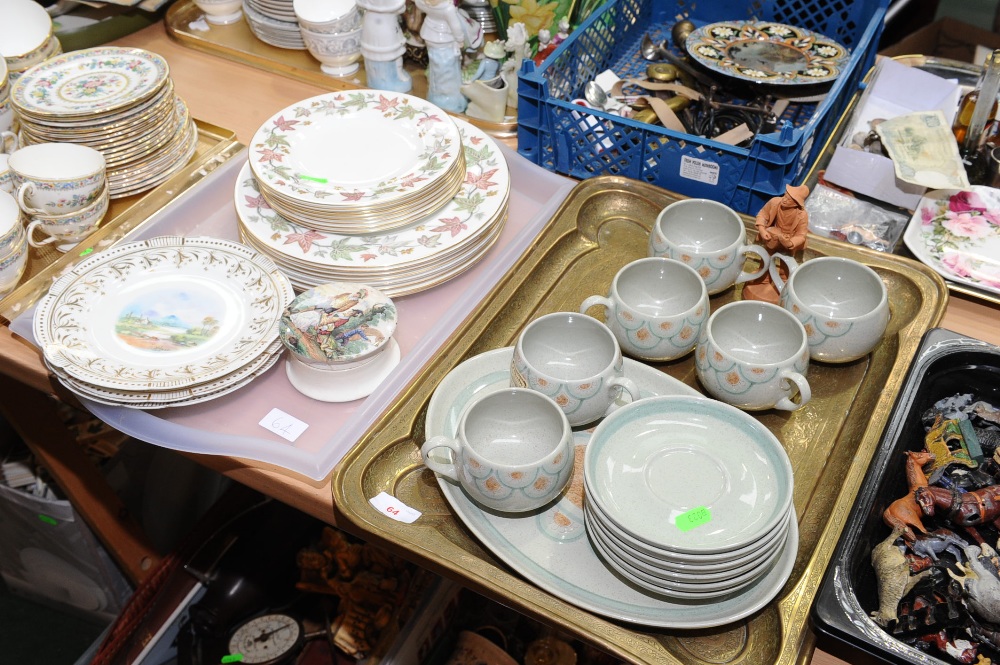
(709, 237)
(754, 355)
(57, 178)
(70, 228)
(575, 360)
(655, 308)
(842, 304)
(513, 451)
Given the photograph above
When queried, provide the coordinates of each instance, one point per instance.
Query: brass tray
(237, 42)
(603, 224)
(215, 146)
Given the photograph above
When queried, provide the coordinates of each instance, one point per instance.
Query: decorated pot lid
(336, 323)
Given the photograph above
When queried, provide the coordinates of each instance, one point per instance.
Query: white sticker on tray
(392, 507)
(699, 169)
(286, 426)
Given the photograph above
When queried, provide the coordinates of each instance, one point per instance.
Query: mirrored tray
(603, 224)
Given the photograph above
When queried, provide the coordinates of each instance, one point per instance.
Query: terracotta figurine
(782, 225)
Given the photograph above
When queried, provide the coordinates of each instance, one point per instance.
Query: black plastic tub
(947, 363)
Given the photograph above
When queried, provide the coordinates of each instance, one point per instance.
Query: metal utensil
(654, 52)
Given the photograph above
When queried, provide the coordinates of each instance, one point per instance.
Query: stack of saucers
(26, 36)
(117, 100)
(690, 499)
(274, 22)
(163, 322)
(394, 216)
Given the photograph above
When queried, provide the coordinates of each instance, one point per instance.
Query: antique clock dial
(266, 640)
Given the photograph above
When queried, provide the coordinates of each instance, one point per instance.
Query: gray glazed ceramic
(754, 355)
(709, 237)
(842, 304)
(575, 360)
(513, 451)
(655, 308)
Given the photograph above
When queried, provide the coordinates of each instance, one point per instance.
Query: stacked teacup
(62, 188)
(331, 30)
(13, 244)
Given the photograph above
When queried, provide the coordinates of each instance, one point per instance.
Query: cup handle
(805, 393)
(30, 231)
(4, 138)
(765, 260)
(446, 469)
(789, 262)
(596, 300)
(23, 191)
(628, 386)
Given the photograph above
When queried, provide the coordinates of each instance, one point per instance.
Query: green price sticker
(87, 251)
(694, 517)
(51, 521)
(233, 658)
(321, 181)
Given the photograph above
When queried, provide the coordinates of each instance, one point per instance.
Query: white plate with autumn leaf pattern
(957, 234)
(355, 149)
(478, 206)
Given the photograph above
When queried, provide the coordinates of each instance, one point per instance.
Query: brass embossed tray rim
(216, 145)
(443, 545)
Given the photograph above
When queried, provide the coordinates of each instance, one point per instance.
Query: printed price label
(392, 507)
(286, 426)
(701, 170)
(692, 518)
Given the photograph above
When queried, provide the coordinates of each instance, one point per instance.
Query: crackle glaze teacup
(843, 305)
(512, 451)
(709, 237)
(655, 308)
(57, 178)
(575, 360)
(755, 356)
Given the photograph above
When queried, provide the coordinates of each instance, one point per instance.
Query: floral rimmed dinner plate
(90, 81)
(476, 206)
(386, 146)
(550, 548)
(162, 314)
(957, 233)
(767, 52)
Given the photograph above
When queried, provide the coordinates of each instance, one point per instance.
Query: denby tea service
(843, 305)
(513, 451)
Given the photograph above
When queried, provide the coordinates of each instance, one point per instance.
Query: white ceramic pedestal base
(224, 19)
(345, 70)
(343, 385)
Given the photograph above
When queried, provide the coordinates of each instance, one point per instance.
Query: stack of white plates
(403, 161)
(688, 498)
(117, 100)
(274, 22)
(26, 36)
(163, 322)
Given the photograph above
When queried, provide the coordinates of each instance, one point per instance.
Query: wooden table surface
(241, 98)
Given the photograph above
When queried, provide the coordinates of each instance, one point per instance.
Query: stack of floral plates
(688, 498)
(163, 322)
(432, 226)
(274, 22)
(26, 36)
(117, 100)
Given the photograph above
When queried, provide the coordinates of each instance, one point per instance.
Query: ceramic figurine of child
(517, 49)
(563, 31)
(444, 33)
(383, 45)
(545, 46)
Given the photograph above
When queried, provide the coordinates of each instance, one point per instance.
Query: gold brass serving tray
(237, 42)
(603, 224)
(45, 264)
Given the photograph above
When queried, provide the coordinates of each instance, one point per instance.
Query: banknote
(923, 150)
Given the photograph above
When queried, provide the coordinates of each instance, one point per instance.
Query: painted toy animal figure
(961, 650)
(892, 572)
(966, 509)
(938, 541)
(904, 513)
(980, 584)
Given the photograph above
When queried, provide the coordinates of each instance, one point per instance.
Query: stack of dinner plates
(26, 36)
(117, 100)
(431, 226)
(689, 498)
(163, 322)
(274, 22)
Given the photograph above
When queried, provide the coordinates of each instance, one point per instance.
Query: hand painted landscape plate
(551, 548)
(957, 234)
(765, 52)
(162, 314)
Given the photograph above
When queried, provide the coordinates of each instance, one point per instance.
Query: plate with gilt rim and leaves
(767, 52)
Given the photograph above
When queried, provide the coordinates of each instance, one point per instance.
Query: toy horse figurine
(966, 509)
(904, 513)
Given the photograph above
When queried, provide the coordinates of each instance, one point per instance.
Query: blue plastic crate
(560, 136)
